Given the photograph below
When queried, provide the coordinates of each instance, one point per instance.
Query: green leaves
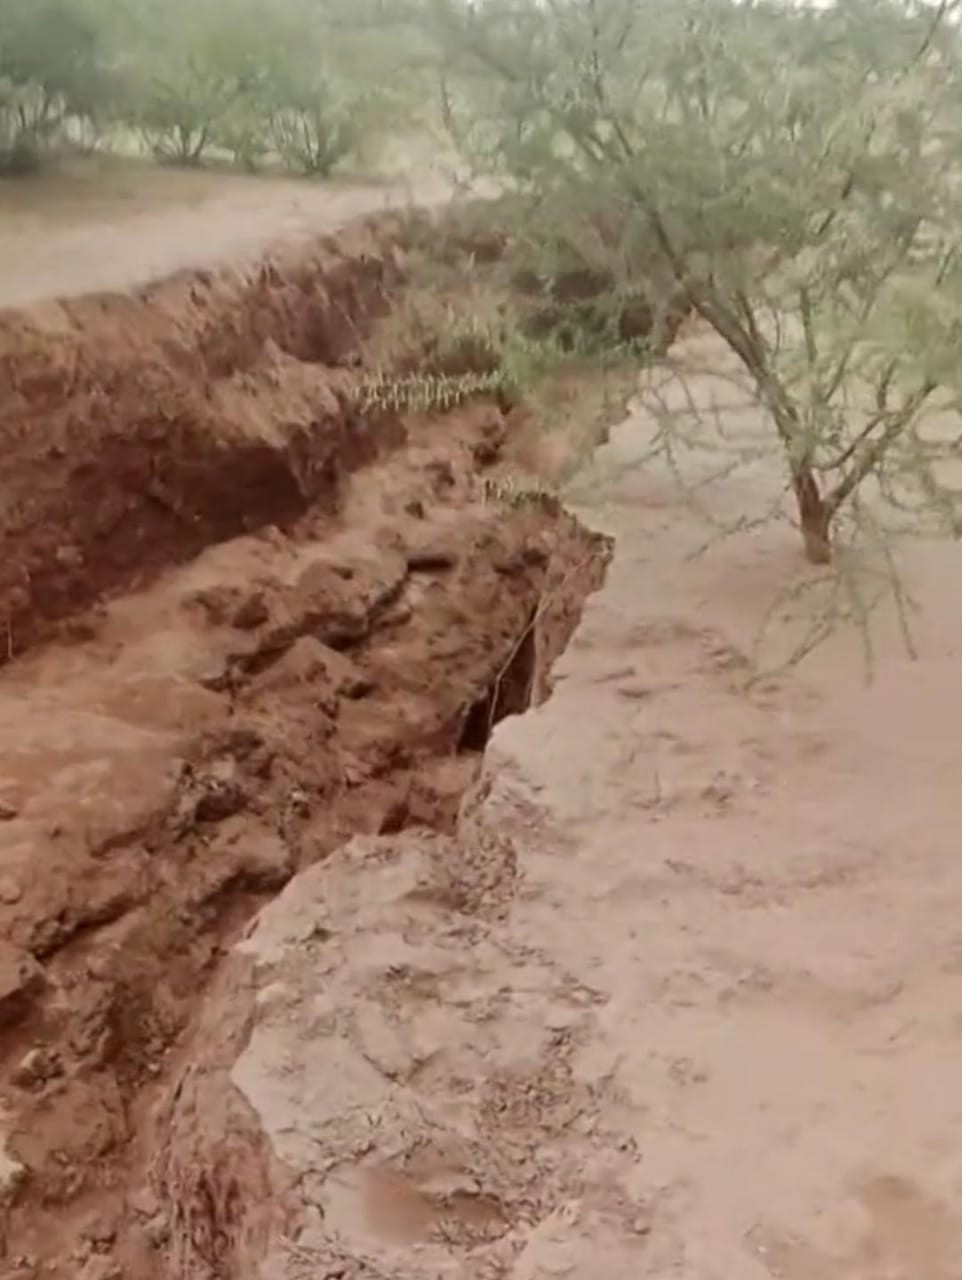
(51, 66)
(793, 170)
(292, 82)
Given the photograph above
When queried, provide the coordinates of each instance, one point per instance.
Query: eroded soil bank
(245, 621)
(677, 992)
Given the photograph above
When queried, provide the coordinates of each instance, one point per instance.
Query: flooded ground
(109, 224)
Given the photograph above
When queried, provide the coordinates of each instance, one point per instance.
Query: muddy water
(114, 225)
(765, 885)
(695, 1011)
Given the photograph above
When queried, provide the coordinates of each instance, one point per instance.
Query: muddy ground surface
(295, 986)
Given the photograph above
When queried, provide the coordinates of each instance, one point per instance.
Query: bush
(790, 171)
(311, 135)
(50, 70)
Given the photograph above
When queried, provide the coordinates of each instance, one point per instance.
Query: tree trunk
(815, 517)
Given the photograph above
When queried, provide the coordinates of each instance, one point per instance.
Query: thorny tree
(793, 172)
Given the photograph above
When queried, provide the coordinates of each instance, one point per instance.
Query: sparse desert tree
(312, 126)
(355, 76)
(793, 172)
(51, 70)
(190, 65)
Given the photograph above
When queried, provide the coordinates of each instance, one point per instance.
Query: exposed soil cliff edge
(245, 620)
(138, 428)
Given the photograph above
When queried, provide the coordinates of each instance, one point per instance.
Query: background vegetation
(252, 82)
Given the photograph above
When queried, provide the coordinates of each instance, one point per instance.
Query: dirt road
(677, 995)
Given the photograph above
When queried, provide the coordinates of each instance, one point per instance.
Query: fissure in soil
(240, 707)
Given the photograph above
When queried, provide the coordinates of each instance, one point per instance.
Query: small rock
(221, 799)
(10, 891)
(157, 1230)
(21, 979)
(36, 1067)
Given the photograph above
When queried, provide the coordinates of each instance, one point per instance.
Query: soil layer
(244, 623)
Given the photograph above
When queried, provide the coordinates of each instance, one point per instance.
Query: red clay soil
(276, 624)
(139, 428)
